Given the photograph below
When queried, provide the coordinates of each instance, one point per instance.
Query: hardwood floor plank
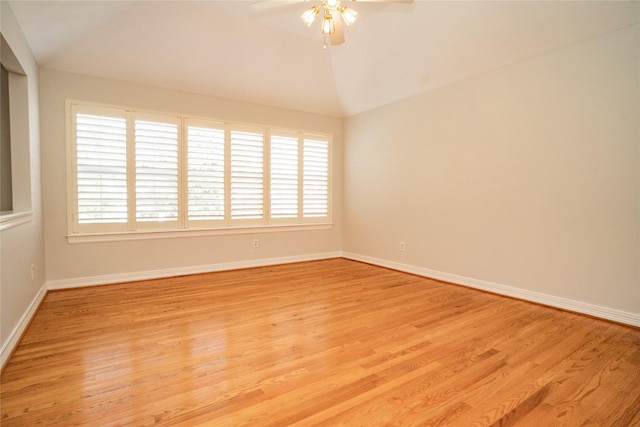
(326, 343)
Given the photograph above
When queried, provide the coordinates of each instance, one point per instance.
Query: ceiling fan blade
(337, 37)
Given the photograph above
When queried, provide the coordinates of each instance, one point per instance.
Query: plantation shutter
(247, 175)
(132, 171)
(101, 166)
(315, 193)
(205, 172)
(284, 176)
(156, 161)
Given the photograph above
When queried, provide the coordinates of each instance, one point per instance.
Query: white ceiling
(230, 50)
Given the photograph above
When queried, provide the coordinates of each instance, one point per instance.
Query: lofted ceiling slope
(230, 50)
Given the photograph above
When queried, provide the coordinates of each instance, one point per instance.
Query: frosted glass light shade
(328, 27)
(349, 15)
(309, 15)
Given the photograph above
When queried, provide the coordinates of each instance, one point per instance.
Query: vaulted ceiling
(232, 49)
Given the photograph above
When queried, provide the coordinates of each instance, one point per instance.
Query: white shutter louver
(101, 164)
(205, 173)
(133, 172)
(246, 175)
(156, 154)
(284, 177)
(315, 193)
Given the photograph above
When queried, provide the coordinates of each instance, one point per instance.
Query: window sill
(11, 220)
(167, 234)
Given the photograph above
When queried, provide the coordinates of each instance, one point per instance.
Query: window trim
(184, 226)
(14, 219)
(219, 126)
(119, 236)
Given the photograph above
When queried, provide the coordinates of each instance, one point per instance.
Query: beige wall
(22, 246)
(70, 263)
(526, 177)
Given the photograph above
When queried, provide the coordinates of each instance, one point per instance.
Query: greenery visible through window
(134, 171)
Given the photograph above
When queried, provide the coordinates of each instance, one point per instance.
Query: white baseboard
(182, 271)
(14, 337)
(607, 313)
(620, 316)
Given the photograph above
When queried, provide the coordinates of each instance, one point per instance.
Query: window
(101, 167)
(316, 178)
(15, 156)
(247, 175)
(156, 171)
(285, 176)
(206, 172)
(6, 189)
(133, 171)
(299, 176)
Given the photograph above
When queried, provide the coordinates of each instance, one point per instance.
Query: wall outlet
(33, 271)
(256, 243)
(403, 247)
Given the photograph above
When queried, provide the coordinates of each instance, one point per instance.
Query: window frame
(248, 221)
(132, 168)
(133, 229)
(205, 223)
(285, 133)
(19, 117)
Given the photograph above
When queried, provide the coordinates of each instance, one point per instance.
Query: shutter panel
(101, 167)
(134, 171)
(315, 194)
(205, 170)
(156, 153)
(284, 176)
(246, 175)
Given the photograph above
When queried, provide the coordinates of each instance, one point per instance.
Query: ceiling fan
(332, 12)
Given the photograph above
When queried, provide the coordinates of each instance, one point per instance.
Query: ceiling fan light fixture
(349, 15)
(309, 15)
(328, 27)
(331, 4)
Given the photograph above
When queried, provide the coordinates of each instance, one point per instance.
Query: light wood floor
(326, 343)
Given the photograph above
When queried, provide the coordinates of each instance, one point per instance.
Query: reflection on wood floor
(329, 343)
